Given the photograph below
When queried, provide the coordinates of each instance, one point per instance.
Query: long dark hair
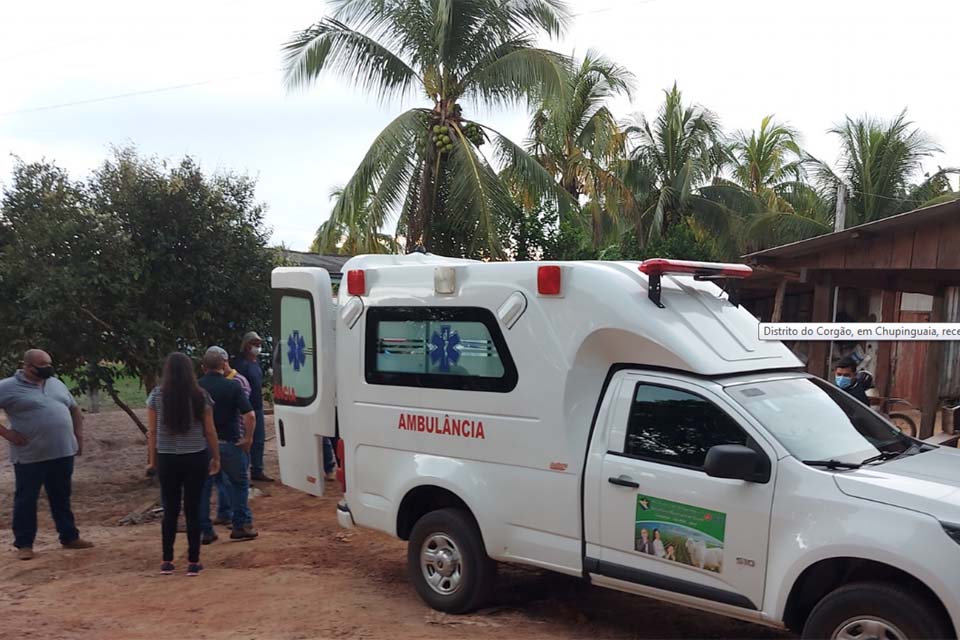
(183, 399)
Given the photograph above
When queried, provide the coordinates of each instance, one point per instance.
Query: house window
(437, 347)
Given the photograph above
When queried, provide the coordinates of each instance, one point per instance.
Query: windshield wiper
(833, 464)
(890, 455)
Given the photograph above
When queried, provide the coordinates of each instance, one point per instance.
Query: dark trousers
(259, 444)
(55, 476)
(181, 479)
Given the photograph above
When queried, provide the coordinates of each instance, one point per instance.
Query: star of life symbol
(296, 350)
(445, 348)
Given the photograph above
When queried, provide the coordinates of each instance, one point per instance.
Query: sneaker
(221, 520)
(25, 553)
(260, 476)
(246, 533)
(194, 569)
(79, 543)
(209, 537)
(166, 568)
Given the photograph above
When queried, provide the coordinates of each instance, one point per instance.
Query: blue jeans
(55, 476)
(329, 457)
(259, 440)
(234, 479)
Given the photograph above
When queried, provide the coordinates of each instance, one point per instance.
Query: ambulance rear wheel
(447, 561)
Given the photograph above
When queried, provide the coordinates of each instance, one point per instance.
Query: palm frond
(353, 55)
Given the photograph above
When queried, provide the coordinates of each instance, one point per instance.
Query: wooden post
(888, 313)
(822, 298)
(778, 301)
(930, 403)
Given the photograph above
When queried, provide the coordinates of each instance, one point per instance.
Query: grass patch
(128, 389)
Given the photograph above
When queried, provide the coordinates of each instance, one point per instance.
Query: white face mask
(255, 350)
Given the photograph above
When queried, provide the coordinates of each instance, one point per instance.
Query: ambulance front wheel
(447, 561)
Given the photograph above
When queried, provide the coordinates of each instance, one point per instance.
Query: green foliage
(682, 242)
(426, 167)
(141, 260)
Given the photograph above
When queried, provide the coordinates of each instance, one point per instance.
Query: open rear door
(304, 369)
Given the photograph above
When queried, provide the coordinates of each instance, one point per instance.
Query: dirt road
(302, 578)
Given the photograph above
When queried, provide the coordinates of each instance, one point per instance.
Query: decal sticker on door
(679, 532)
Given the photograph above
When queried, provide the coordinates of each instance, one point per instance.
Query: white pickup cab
(617, 421)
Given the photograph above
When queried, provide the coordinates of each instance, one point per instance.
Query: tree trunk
(126, 409)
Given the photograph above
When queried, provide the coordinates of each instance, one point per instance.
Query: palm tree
(427, 165)
(766, 157)
(878, 163)
(353, 236)
(675, 154)
(577, 139)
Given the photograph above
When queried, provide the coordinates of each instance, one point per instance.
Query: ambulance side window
(437, 347)
(677, 427)
(294, 361)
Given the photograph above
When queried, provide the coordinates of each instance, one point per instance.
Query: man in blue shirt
(248, 364)
(230, 406)
(45, 433)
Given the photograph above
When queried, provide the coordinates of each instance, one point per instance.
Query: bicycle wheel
(904, 423)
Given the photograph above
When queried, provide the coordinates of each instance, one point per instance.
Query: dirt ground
(302, 578)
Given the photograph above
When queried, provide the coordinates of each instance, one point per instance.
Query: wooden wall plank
(903, 250)
(948, 248)
(926, 245)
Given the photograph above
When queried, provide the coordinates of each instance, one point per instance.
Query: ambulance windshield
(816, 421)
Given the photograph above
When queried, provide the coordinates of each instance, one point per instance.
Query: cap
(220, 351)
(251, 336)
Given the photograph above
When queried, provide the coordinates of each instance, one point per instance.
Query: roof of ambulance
(698, 330)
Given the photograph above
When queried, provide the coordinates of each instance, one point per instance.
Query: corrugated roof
(332, 263)
(893, 224)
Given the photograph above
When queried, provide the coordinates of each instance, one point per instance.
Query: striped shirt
(192, 441)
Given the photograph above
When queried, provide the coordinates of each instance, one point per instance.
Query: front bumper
(344, 517)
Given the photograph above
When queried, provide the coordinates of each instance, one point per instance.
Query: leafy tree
(352, 236)
(674, 154)
(577, 139)
(878, 165)
(143, 259)
(427, 164)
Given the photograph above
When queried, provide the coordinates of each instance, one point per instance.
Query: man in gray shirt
(45, 433)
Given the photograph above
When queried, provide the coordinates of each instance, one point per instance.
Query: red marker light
(356, 282)
(548, 280)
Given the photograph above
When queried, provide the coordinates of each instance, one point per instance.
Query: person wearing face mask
(45, 434)
(248, 365)
(854, 383)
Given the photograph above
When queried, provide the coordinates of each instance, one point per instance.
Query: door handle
(624, 481)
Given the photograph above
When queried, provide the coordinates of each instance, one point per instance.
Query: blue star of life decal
(296, 350)
(444, 348)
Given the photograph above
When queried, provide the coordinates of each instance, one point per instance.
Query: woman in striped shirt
(180, 434)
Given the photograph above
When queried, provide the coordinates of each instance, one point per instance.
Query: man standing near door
(248, 364)
(45, 434)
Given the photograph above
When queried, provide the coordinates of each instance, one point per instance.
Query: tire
(905, 423)
(460, 576)
(844, 613)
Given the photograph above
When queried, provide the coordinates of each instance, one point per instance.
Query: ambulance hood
(926, 482)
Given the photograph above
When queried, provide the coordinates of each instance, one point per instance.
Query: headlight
(953, 530)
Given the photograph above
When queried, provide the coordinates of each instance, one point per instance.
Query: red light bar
(356, 282)
(663, 266)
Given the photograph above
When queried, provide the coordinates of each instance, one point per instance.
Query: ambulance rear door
(304, 370)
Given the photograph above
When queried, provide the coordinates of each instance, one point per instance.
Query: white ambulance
(618, 421)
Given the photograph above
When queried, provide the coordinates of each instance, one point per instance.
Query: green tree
(427, 164)
(577, 139)
(353, 236)
(674, 154)
(879, 163)
(142, 260)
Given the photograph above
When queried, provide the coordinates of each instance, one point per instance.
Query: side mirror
(736, 462)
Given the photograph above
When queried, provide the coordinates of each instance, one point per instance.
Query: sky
(212, 70)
